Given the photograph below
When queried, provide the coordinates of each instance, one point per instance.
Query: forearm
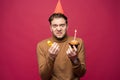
(78, 68)
(45, 64)
(46, 69)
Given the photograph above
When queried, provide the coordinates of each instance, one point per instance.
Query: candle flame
(75, 30)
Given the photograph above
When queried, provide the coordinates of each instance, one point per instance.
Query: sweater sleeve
(45, 64)
(79, 69)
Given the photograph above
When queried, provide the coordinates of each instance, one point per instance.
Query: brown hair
(57, 15)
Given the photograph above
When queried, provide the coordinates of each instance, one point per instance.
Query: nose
(58, 28)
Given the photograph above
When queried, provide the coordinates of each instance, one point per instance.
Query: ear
(67, 26)
(50, 28)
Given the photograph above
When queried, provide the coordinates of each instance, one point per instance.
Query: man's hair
(57, 15)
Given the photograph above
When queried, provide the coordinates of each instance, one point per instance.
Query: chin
(59, 37)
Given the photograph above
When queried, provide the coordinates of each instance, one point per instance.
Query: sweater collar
(60, 40)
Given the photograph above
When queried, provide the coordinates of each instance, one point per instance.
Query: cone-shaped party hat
(59, 8)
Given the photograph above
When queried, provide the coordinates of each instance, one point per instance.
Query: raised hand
(72, 52)
(53, 50)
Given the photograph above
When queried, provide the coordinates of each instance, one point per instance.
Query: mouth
(59, 33)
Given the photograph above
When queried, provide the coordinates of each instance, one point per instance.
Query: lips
(59, 33)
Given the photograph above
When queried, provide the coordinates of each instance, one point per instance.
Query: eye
(54, 25)
(62, 25)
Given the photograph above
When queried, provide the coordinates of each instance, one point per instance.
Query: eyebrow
(59, 24)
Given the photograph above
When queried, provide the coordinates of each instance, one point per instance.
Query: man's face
(58, 27)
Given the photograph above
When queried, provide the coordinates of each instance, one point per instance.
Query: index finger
(75, 49)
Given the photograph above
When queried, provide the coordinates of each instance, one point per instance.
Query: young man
(60, 61)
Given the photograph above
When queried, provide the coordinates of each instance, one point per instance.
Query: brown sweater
(62, 68)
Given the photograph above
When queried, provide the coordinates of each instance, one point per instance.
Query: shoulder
(43, 42)
(80, 40)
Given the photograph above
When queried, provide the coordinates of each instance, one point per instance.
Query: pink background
(24, 22)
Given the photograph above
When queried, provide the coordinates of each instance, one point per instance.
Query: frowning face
(58, 27)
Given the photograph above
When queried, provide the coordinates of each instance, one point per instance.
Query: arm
(79, 67)
(77, 57)
(45, 64)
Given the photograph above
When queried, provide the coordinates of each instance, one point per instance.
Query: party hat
(59, 8)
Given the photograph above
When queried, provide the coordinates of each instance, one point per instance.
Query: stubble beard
(60, 37)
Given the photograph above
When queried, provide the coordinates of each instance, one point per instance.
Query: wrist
(75, 61)
(52, 58)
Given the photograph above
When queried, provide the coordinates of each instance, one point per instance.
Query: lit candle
(75, 34)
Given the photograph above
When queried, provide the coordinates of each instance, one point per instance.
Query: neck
(60, 39)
